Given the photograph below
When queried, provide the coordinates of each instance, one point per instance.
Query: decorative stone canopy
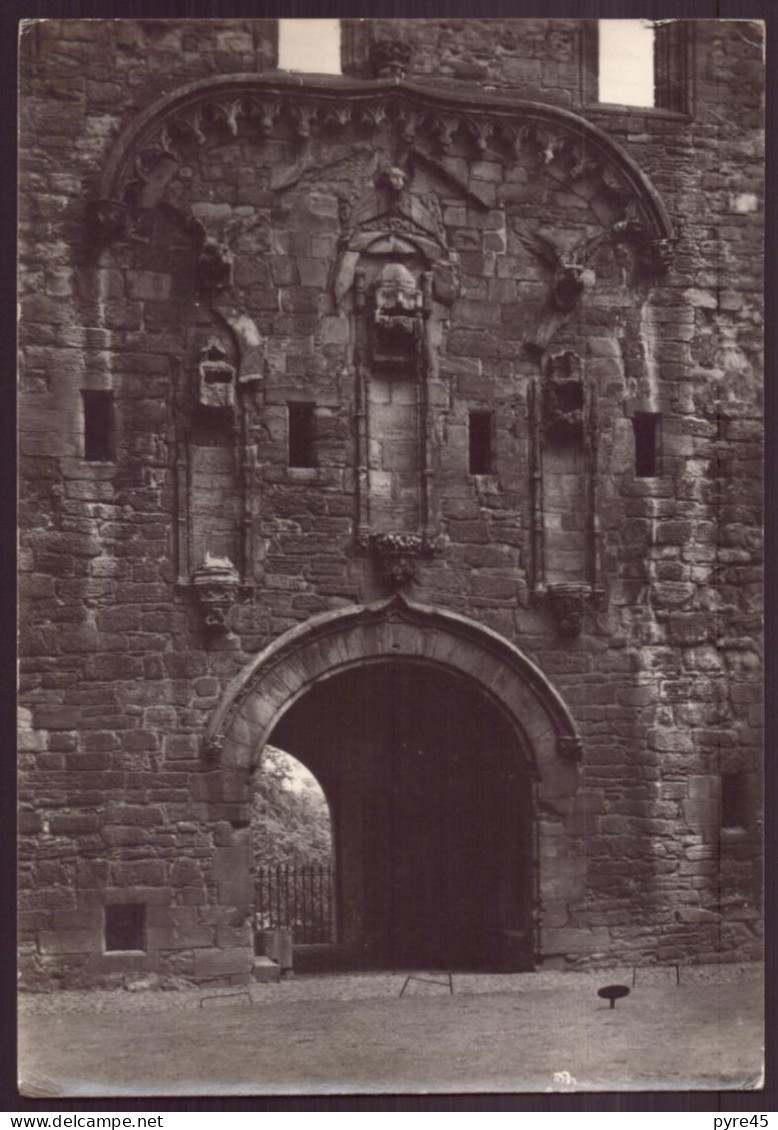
(150, 152)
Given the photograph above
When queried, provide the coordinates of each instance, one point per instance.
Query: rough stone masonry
(435, 382)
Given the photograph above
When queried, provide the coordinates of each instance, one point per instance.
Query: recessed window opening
(646, 428)
(311, 46)
(626, 62)
(734, 800)
(98, 425)
(480, 443)
(302, 446)
(125, 927)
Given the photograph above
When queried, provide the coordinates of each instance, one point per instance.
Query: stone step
(266, 970)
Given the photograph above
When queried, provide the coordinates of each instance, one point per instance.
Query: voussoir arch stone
(256, 700)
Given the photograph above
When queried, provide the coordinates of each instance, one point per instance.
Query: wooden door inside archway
(432, 813)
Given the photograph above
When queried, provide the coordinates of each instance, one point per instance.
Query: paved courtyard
(700, 1027)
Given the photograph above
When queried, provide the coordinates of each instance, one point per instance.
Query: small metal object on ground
(432, 981)
(224, 997)
(613, 992)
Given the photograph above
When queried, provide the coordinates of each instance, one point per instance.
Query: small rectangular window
(98, 425)
(311, 46)
(646, 428)
(125, 927)
(480, 443)
(626, 62)
(734, 801)
(302, 447)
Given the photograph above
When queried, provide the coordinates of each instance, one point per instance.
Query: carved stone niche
(397, 322)
(216, 584)
(563, 397)
(567, 601)
(216, 378)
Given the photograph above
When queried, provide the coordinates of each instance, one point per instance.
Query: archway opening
(291, 843)
(432, 810)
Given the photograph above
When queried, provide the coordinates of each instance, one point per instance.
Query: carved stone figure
(397, 317)
(389, 220)
(389, 58)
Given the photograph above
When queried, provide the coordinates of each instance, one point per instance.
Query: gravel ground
(355, 1034)
(366, 986)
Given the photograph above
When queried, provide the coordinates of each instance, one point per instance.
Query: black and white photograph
(390, 449)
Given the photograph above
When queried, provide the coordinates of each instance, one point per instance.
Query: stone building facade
(409, 418)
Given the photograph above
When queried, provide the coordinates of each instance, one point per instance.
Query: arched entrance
(433, 815)
(449, 762)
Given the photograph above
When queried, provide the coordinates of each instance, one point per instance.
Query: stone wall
(536, 290)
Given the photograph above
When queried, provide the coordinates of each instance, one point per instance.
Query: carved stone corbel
(214, 267)
(213, 747)
(216, 584)
(397, 555)
(570, 747)
(567, 601)
(653, 257)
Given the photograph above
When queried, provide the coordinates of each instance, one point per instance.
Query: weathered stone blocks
(119, 682)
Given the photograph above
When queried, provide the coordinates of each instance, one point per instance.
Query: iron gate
(299, 898)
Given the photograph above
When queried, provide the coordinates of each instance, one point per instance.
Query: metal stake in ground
(613, 992)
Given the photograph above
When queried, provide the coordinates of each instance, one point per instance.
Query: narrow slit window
(625, 70)
(480, 443)
(311, 46)
(646, 428)
(734, 802)
(125, 927)
(302, 439)
(98, 425)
